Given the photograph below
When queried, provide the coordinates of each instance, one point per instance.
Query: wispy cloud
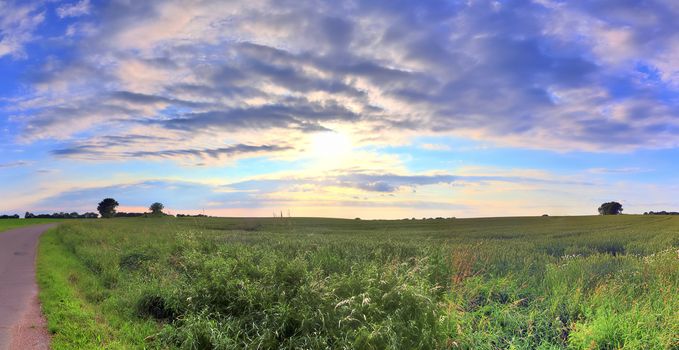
(14, 164)
(302, 191)
(110, 148)
(435, 147)
(76, 9)
(630, 170)
(18, 22)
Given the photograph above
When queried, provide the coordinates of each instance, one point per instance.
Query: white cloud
(18, 22)
(77, 9)
(435, 147)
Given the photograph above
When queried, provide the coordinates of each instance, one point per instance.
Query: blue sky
(377, 109)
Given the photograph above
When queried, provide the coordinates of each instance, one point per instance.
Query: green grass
(8, 224)
(502, 283)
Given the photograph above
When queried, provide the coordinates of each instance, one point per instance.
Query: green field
(600, 282)
(8, 224)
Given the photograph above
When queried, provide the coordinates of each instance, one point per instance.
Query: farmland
(608, 282)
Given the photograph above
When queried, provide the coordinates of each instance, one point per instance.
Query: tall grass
(514, 283)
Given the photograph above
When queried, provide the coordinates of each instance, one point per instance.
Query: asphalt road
(18, 288)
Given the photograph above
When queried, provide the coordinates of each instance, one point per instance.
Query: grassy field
(8, 224)
(505, 283)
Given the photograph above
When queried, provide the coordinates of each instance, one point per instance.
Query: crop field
(595, 282)
(8, 224)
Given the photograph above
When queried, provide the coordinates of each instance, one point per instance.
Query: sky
(371, 109)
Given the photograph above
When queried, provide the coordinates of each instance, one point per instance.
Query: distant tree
(157, 208)
(107, 208)
(610, 208)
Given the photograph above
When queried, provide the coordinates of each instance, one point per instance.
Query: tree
(610, 208)
(157, 208)
(107, 208)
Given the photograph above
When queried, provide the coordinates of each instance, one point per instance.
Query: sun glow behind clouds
(330, 146)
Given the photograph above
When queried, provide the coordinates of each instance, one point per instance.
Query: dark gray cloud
(209, 152)
(294, 113)
(19, 163)
(101, 149)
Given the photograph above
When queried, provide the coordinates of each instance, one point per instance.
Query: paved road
(18, 289)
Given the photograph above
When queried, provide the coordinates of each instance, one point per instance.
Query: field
(600, 282)
(8, 224)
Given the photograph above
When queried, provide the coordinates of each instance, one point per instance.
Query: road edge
(31, 331)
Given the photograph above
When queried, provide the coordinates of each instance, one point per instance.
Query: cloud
(77, 9)
(174, 194)
(435, 147)
(183, 195)
(110, 148)
(14, 164)
(545, 74)
(390, 183)
(389, 194)
(394, 182)
(18, 22)
(299, 114)
(630, 170)
(210, 152)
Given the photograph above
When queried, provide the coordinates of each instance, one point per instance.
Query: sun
(330, 144)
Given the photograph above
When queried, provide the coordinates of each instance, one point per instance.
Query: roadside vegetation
(599, 282)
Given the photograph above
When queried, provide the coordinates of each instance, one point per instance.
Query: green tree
(157, 208)
(107, 208)
(610, 208)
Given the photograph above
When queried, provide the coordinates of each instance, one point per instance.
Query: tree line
(106, 209)
(15, 216)
(61, 215)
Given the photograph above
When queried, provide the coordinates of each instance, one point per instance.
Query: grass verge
(69, 294)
